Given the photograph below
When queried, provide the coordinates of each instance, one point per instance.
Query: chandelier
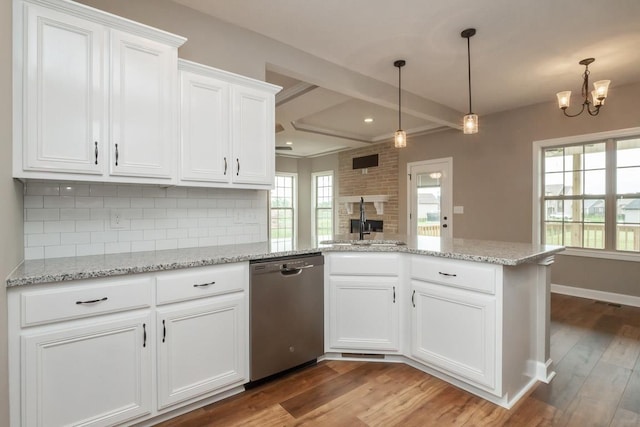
(598, 95)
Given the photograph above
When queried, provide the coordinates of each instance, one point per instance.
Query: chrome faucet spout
(363, 220)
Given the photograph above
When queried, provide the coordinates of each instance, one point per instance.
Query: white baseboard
(596, 295)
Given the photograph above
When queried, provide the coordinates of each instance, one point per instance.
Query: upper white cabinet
(227, 128)
(92, 90)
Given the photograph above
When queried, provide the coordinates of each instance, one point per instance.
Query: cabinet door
(63, 93)
(364, 314)
(94, 375)
(253, 136)
(204, 129)
(202, 346)
(143, 114)
(455, 330)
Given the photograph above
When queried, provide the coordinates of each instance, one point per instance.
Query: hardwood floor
(595, 347)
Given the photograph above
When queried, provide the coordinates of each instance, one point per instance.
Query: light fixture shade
(564, 99)
(470, 124)
(596, 101)
(400, 139)
(601, 88)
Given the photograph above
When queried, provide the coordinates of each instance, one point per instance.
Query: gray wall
(492, 179)
(12, 245)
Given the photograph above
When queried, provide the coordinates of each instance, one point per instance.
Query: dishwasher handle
(293, 271)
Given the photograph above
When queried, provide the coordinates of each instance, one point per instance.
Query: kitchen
(506, 136)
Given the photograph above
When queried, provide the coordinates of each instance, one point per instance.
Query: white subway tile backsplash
(59, 201)
(75, 214)
(90, 249)
(33, 201)
(33, 227)
(74, 219)
(43, 214)
(75, 238)
(59, 251)
(59, 226)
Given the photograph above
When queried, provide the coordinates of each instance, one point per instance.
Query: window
(282, 210)
(590, 196)
(323, 206)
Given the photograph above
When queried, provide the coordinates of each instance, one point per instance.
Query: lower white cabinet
(201, 347)
(454, 330)
(364, 313)
(94, 375)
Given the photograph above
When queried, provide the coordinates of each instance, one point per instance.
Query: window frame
(314, 205)
(538, 191)
(294, 207)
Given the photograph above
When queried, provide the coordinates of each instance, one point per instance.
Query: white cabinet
(64, 94)
(81, 353)
(143, 112)
(363, 309)
(454, 321)
(95, 96)
(201, 347)
(227, 128)
(203, 335)
(455, 330)
(95, 375)
(364, 314)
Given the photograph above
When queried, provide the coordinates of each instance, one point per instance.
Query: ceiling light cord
(400, 97)
(469, 69)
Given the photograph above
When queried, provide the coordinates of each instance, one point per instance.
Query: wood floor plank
(625, 347)
(624, 418)
(322, 393)
(631, 397)
(563, 338)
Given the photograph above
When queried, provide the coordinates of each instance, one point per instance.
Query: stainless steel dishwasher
(287, 313)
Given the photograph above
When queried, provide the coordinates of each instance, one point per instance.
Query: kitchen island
(474, 313)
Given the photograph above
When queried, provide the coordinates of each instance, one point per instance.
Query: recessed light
(368, 120)
(289, 143)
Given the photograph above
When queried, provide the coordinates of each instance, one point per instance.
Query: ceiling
(523, 53)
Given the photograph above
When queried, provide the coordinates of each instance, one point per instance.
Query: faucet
(363, 220)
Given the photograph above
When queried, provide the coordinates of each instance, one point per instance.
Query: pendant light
(470, 121)
(598, 95)
(400, 139)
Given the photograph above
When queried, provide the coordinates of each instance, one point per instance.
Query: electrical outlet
(117, 222)
(458, 209)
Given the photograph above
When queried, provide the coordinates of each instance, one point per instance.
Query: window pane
(573, 210)
(573, 158)
(553, 233)
(628, 153)
(593, 236)
(594, 156)
(595, 182)
(554, 210)
(628, 180)
(594, 210)
(554, 184)
(323, 207)
(282, 214)
(573, 234)
(553, 160)
(573, 183)
(628, 225)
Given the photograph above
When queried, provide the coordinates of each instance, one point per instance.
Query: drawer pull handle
(93, 301)
(447, 274)
(225, 166)
(164, 331)
(413, 298)
(394, 294)
(96, 152)
(144, 336)
(204, 285)
(117, 154)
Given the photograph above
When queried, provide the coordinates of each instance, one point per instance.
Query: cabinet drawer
(365, 264)
(87, 298)
(461, 274)
(201, 282)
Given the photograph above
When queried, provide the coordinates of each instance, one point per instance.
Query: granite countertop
(87, 267)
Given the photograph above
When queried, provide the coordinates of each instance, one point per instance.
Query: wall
(380, 180)
(74, 219)
(492, 179)
(11, 196)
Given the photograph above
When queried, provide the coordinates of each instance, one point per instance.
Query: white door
(143, 120)
(430, 198)
(64, 93)
(98, 375)
(466, 347)
(202, 346)
(253, 136)
(204, 129)
(364, 313)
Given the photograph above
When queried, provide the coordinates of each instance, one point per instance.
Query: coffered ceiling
(523, 53)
